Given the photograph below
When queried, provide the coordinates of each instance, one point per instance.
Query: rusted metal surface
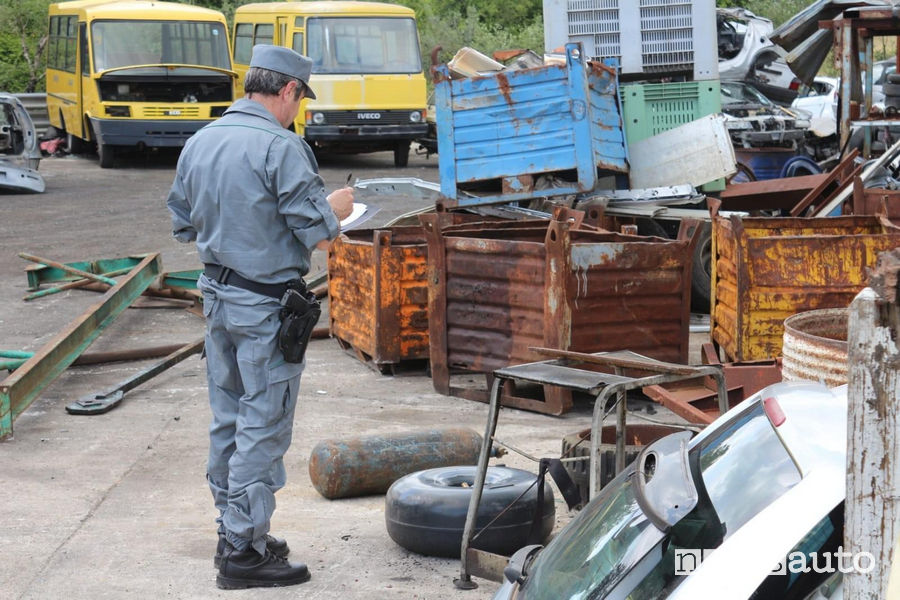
(697, 401)
(815, 347)
(842, 174)
(559, 120)
(378, 294)
(495, 292)
(770, 194)
(767, 269)
(364, 465)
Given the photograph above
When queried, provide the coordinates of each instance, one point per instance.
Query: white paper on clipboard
(359, 215)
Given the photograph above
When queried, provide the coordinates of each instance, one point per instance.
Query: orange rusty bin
(378, 296)
(766, 269)
(495, 292)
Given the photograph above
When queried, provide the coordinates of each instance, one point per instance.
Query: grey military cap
(285, 61)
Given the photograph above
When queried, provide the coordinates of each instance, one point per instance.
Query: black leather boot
(239, 570)
(277, 546)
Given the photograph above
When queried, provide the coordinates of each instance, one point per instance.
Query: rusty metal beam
(769, 194)
(20, 389)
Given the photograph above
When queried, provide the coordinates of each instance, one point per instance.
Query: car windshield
(744, 467)
(363, 45)
(126, 43)
(741, 93)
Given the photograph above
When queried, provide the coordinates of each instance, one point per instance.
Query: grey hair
(269, 83)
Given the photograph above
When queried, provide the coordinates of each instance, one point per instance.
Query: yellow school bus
(367, 71)
(135, 73)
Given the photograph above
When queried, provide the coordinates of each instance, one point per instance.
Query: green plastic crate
(652, 108)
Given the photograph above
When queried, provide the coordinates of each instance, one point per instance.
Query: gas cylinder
(358, 466)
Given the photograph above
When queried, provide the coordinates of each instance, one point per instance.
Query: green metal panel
(181, 279)
(39, 274)
(21, 388)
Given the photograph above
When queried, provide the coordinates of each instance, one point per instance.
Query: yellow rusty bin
(767, 269)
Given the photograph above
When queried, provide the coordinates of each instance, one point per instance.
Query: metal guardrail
(36, 105)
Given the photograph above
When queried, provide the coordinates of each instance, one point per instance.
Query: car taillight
(774, 412)
(795, 85)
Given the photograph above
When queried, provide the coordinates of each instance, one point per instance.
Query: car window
(602, 543)
(817, 548)
(741, 93)
(745, 467)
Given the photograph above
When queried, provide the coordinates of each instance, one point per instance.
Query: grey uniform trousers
(253, 395)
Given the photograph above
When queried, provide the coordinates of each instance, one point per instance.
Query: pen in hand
(349, 177)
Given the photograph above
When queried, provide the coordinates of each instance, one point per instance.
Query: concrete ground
(116, 505)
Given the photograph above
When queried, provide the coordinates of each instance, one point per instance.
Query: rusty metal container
(767, 269)
(493, 293)
(377, 290)
(378, 294)
(815, 347)
(364, 465)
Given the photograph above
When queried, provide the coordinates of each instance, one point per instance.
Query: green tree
(24, 24)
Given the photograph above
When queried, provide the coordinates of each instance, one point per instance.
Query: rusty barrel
(815, 347)
(363, 465)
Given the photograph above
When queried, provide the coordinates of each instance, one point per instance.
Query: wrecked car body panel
(19, 151)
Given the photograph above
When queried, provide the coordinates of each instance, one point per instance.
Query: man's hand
(341, 202)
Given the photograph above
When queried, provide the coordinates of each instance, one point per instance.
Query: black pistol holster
(299, 316)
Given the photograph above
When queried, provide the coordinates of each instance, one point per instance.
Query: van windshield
(363, 45)
(126, 43)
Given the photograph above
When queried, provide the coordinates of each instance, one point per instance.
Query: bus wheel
(107, 155)
(401, 154)
(74, 144)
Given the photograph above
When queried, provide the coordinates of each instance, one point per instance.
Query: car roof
(815, 428)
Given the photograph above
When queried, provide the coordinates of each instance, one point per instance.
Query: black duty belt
(227, 276)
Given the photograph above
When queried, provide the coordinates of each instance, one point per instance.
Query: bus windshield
(126, 43)
(363, 45)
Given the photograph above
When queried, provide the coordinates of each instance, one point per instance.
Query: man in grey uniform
(248, 192)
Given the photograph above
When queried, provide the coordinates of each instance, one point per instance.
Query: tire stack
(891, 89)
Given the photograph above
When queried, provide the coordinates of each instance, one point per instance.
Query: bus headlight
(318, 118)
(415, 116)
(118, 111)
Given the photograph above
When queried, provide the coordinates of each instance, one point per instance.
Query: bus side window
(265, 33)
(243, 43)
(298, 43)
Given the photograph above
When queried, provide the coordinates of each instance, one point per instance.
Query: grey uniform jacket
(248, 191)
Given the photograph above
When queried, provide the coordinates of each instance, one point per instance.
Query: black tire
(426, 511)
(107, 155)
(74, 144)
(401, 154)
(701, 271)
(891, 89)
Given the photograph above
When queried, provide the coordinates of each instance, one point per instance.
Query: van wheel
(426, 511)
(107, 155)
(401, 154)
(74, 144)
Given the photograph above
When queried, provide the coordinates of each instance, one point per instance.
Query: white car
(820, 100)
(764, 480)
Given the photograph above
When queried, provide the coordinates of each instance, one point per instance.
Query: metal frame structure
(567, 370)
(20, 389)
